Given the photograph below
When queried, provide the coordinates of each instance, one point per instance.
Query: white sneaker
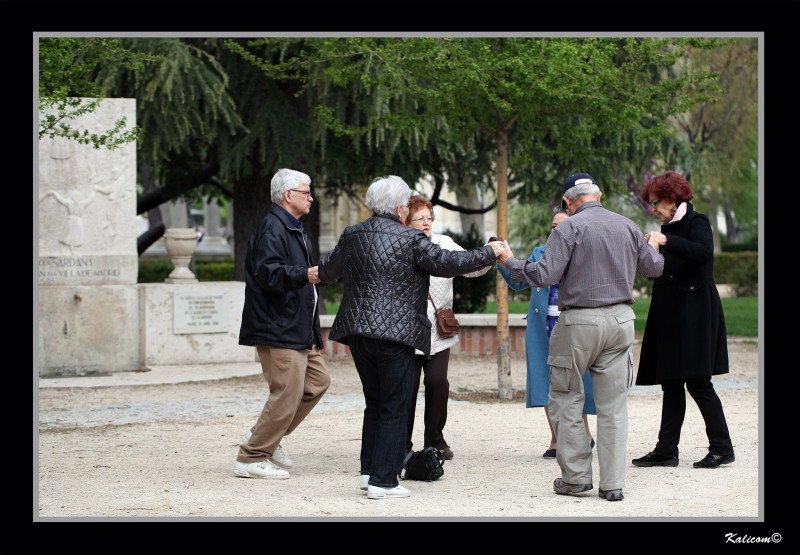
(278, 457)
(263, 469)
(375, 492)
(246, 436)
(363, 482)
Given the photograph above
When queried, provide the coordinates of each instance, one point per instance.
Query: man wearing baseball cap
(595, 255)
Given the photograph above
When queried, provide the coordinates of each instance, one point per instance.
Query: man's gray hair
(583, 189)
(386, 194)
(287, 179)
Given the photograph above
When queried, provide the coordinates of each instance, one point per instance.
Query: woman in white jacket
(437, 386)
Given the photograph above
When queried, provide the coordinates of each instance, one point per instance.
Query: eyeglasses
(306, 193)
(423, 219)
(654, 203)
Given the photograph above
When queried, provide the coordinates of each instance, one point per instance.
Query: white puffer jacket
(441, 289)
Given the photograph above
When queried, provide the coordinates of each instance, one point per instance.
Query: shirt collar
(292, 220)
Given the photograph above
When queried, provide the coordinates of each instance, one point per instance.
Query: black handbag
(425, 465)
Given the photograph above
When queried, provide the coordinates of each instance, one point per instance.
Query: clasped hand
(502, 251)
(655, 239)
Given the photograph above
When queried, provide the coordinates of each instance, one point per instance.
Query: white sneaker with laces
(278, 457)
(363, 482)
(376, 492)
(263, 469)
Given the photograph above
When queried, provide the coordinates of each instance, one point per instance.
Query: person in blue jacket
(542, 314)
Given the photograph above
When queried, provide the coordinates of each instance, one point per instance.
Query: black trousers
(437, 393)
(673, 410)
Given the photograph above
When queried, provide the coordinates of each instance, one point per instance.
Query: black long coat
(684, 336)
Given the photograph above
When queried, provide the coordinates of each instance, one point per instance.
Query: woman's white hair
(387, 194)
(287, 179)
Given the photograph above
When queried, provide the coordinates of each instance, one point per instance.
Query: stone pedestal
(192, 324)
(88, 329)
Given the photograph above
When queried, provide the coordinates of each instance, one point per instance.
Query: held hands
(504, 252)
(655, 239)
(507, 252)
(313, 274)
(497, 247)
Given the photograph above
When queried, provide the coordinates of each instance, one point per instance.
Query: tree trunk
(504, 388)
(251, 197)
(732, 232)
(713, 210)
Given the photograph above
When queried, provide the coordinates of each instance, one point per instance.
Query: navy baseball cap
(576, 179)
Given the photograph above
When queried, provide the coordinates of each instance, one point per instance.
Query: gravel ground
(165, 452)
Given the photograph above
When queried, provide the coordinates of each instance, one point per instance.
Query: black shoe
(713, 461)
(652, 459)
(563, 488)
(447, 453)
(611, 495)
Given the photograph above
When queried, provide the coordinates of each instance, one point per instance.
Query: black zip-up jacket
(385, 267)
(279, 307)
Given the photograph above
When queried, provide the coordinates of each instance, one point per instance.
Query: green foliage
(739, 247)
(214, 270)
(156, 270)
(67, 88)
(738, 269)
(741, 315)
(332, 296)
(184, 103)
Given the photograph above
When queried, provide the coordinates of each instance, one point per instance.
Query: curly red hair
(669, 186)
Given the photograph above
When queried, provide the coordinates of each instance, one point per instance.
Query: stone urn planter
(181, 243)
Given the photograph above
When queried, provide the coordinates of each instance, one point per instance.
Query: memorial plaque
(200, 311)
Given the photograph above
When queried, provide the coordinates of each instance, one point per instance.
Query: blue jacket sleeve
(516, 285)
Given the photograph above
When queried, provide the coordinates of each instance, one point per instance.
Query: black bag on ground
(425, 465)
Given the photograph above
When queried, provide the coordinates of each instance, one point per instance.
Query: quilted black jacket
(279, 308)
(384, 266)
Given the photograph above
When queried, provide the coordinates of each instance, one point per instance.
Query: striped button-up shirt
(595, 255)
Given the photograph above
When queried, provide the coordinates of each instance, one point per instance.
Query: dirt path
(168, 451)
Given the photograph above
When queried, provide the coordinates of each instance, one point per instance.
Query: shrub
(156, 270)
(739, 269)
(469, 294)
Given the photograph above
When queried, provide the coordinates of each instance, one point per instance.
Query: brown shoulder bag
(446, 322)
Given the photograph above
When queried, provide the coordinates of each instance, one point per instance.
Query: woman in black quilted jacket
(382, 318)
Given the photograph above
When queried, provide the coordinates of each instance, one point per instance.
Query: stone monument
(88, 262)
(93, 316)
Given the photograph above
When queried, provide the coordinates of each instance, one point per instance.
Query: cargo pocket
(562, 376)
(627, 327)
